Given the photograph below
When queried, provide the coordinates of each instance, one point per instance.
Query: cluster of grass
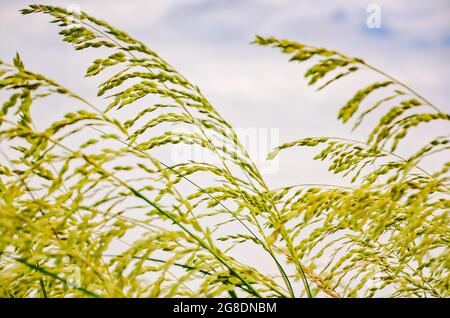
(91, 181)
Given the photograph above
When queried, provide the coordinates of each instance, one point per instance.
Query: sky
(255, 87)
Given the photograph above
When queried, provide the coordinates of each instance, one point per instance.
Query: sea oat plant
(90, 192)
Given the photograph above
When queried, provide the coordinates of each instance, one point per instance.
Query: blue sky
(251, 86)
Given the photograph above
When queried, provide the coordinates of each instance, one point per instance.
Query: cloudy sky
(255, 87)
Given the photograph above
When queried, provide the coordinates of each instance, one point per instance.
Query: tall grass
(90, 190)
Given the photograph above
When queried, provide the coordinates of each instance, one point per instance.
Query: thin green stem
(184, 266)
(389, 153)
(42, 285)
